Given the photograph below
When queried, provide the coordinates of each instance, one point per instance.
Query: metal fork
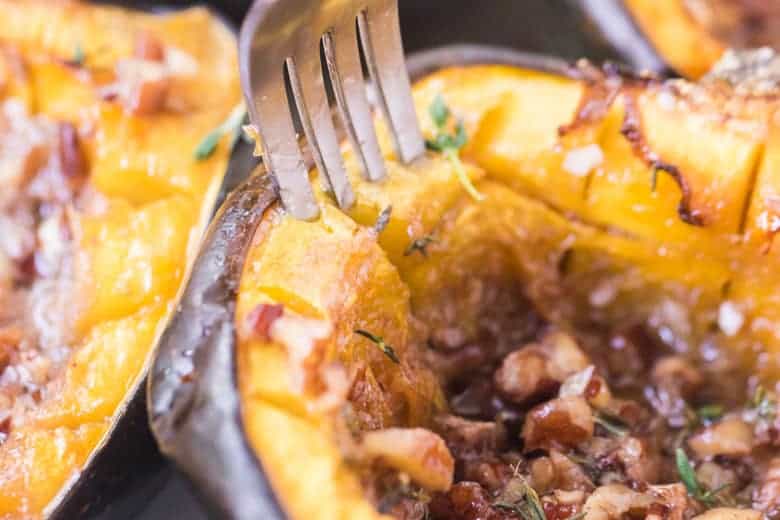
(279, 46)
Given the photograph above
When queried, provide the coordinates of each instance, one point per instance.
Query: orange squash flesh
(576, 220)
(691, 35)
(131, 248)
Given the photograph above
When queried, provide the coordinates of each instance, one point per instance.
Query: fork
(280, 47)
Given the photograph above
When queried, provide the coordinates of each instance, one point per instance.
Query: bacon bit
(566, 421)
(554, 510)
(304, 341)
(420, 453)
(731, 437)
(5, 427)
(71, 158)
(262, 317)
(142, 85)
(149, 47)
(336, 389)
(10, 337)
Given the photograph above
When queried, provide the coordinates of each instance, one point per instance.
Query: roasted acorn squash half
(585, 325)
(689, 35)
(102, 204)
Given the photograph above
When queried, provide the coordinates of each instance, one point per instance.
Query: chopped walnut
(678, 373)
(537, 370)
(465, 437)
(565, 421)
(523, 375)
(674, 498)
(568, 474)
(731, 436)
(420, 453)
(613, 501)
(640, 461)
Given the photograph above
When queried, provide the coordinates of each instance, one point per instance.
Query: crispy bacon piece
(262, 317)
(149, 47)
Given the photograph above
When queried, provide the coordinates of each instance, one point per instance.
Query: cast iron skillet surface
(124, 475)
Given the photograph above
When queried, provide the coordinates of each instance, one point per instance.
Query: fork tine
(380, 33)
(346, 75)
(270, 109)
(311, 99)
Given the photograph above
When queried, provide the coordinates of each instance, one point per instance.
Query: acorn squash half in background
(104, 193)
(566, 309)
(689, 35)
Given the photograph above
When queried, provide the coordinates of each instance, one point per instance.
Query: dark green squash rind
(610, 23)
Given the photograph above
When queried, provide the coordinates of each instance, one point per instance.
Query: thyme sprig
(232, 124)
(612, 424)
(383, 219)
(449, 141)
(709, 412)
(709, 498)
(520, 499)
(419, 245)
(380, 342)
(79, 57)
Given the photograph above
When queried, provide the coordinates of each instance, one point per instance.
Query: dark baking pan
(122, 475)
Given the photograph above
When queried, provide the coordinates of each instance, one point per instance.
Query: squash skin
(473, 242)
(101, 403)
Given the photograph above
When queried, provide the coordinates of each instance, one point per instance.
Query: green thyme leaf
(231, 125)
(710, 412)
(460, 139)
(709, 498)
(78, 55)
(687, 473)
(519, 498)
(379, 342)
(439, 111)
(611, 424)
(420, 245)
(452, 155)
(450, 144)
